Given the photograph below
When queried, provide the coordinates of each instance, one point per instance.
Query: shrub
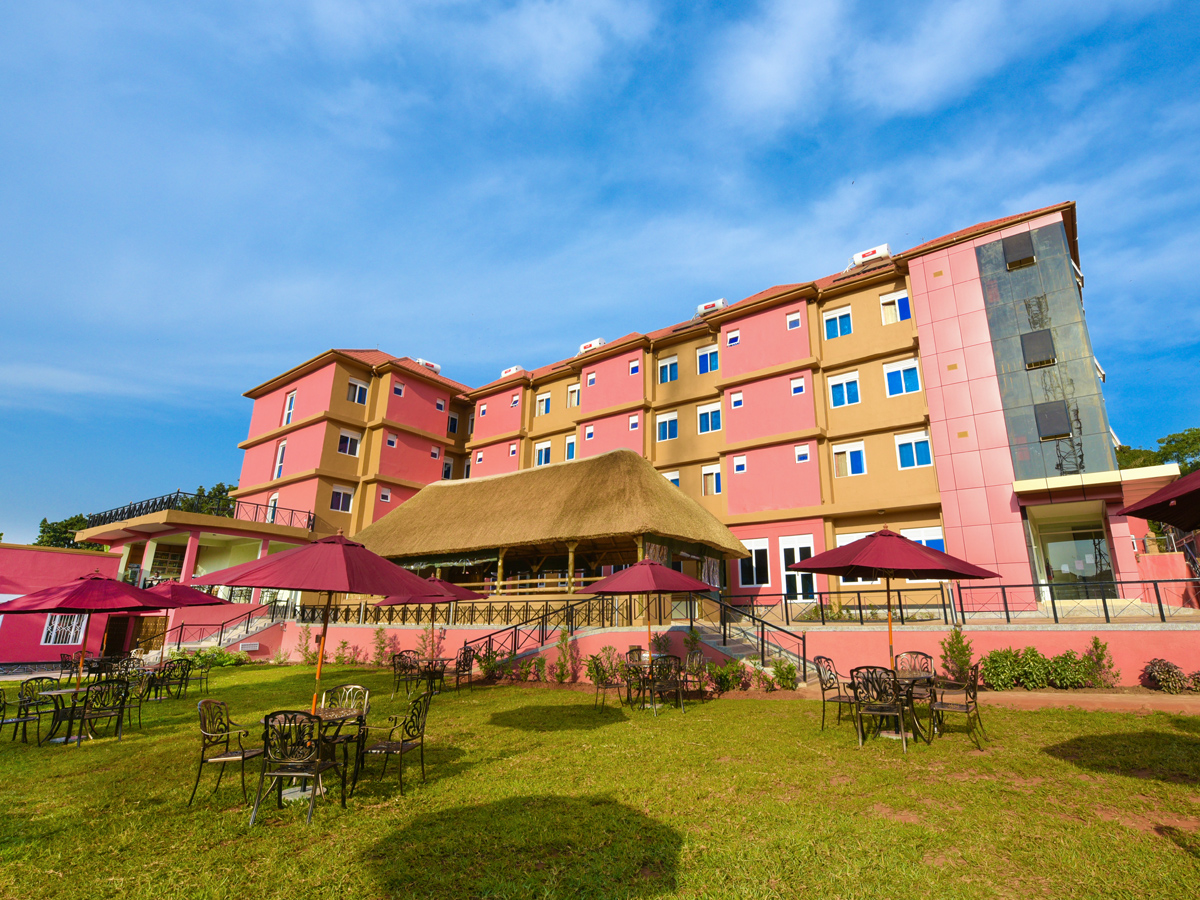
(761, 679)
(596, 670)
(214, 656)
(785, 675)
(280, 657)
(1166, 675)
(562, 665)
(691, 640)
(539, 668)
(308, 653)
(380, 657)
(1035, 670)
(341, 655)
(732, 676)
(1098, 665)
(1001, 669)
(429, 645)
(661, 643)
(956, 655)
(490, 665)
(1067, 671)
(611, 660)
(525, 668)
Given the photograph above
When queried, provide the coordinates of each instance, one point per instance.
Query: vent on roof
(591, 345)
(705, 308)
(511, 370)
(432, 366)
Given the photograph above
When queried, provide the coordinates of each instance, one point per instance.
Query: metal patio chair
(953, 697)
(15, 714)
(217, 735)
(293, 747)
(405, 734)
(877, 693)
(834, 688)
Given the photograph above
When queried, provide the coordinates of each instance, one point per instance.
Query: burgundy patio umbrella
(889, 555)
(647, 577)
(422, 595)
(334, 565)
(460, 593)
(1176, 504)
(87, 594)
(174, 595)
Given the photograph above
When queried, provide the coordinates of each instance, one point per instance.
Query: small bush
(612, 661)
(691, 640)
(956, 655)
(1035, 670)
(539, 668)
(732, 676)
(562, 665)
(280, 657)
(761, 679)
(525, 668)
(1099, 671)
(785, 675)
(489, 664)
(1067, 671)
(596, 670)
(661, 643)
(1001, 669)
(216, 657)
(308, 652)
(380, 657)
(1168, 677)
(341, 655)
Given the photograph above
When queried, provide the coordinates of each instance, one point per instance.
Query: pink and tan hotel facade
(949, 392)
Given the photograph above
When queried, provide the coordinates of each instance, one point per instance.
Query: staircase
(224, 634)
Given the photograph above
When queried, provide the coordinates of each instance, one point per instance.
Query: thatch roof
(611, 495)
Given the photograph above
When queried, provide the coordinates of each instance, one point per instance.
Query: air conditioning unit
(705, 308)
(883, 251)
(591, 345)
(432, 366)
(248, 645)
(511, 370)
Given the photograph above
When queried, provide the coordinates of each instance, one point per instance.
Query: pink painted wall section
(418, 407)
(610, 433)
(411, 458)
(496, 459)
(304, 446)
(773, 531)
(764, 340)
(301, 495)
(313, 393)
(768, 408)
(501, 416)
(399, 495)
(614, 385)
(772, 480)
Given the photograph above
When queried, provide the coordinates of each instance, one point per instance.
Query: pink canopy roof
(646, 577)
(173, 595)
(403, 598)
(93, 593)
(460, 593)
(1176, 504)
(886, 553)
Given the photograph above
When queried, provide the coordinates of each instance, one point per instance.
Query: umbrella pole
(649, 639)
(891, 651)
(87, 624)
(321, 651)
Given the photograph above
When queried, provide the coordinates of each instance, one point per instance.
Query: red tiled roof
(981, 228)
(777, 289)
(368, 357)
(379, 358)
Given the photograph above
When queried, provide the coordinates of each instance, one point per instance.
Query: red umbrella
(405, 597)
(173, 595)
(1177, 504)
(890, 555)
(87, 594)
(647, 577)
(460, 593)
(335, 565)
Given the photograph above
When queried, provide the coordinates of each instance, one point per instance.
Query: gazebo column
(124, 564)
(500, 570)
(147, 561)
(189, 558)
(571, 545)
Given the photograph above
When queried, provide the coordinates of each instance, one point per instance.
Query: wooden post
(571, 545)
(641, 548)
(500, 571)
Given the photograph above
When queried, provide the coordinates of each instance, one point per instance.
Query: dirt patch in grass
(1150, 822)
(886, 812)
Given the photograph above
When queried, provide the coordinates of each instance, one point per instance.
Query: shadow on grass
(440, 762)
(568, 847)
(558, 718)
(1155, 755)
(1187, 841)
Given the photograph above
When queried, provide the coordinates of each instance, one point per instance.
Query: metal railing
(219, 633)
(849, 607)
(594, 612)
(226, 507)
(769, 639)
(1159, 600)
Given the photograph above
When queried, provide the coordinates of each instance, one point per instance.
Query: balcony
(226, 507)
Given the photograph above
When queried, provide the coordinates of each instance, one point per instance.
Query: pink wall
(769, 408)
(411, 458)
(497, 459)
(418, 406)
(610, 433)
(614, 385)
(773, 531)
(772, 480)
(300, 495)
(502, 417)
(313, 392)
(304, 448)
(399, 495)
(765, 340)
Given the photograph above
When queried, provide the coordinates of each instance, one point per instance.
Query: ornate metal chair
(603, 679)
(199, 674)
(217, 734)
(172, 678)
(293, 747)
(877, 693)
(404, 666)
(693, 672)
(68, 664)
(16, 715)
(141, 689)
(915, 662)
(464, 664)
(31, 702)
(103, 701)
(355, 697)
(952, 697)
(664, 677)
(834, 688)
(404, 735)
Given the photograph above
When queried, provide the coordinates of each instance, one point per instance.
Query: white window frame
(836, 314)
(435, 452)
(570, 448)
(589, 432)
(289, 407)
(847, 448)
(921, 535)
(363, 389)
(633, 422)
(736, 400)
(733, 338)
(590, 379)
(398, 388)
(708, 351)
(705, 471)
(635, 366)
(666, 363)
(672, 416)
(482, 411)
(893, 298)
(709, 408)
(900, 366)
(353, 438)
(841, 541)
(753, 544)
(478, 457)
(385, 495)
(280, 453)
(392, 439)
(272, 506)
(803, 453)
(447, 469)
(796, 542)
(538, 401)
(796, 386)
(452, 419)
(440, 404)
(512, 449)
(739, 465)
(835, 380)
(516, 398)
(672, 477)
(63, 629)
(792, 321)
(912, 437)
(537, 453)
(345, 491)
(572, 395)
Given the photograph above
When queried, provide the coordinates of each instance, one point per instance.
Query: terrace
(225, 507)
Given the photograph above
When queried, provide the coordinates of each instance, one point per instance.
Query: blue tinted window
(717, 482)
(923, 457)
(907, 459)
(831, 329)
(895, 384)
(668, 372)
(912, 381)
(668, 430)
(571, 450)
(904, 308)
(843, 324)
(838, 393)
(856, 462)
(674, 481)
(851, 391)
(936, 544)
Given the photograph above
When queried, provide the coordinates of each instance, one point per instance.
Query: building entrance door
(1078, 563)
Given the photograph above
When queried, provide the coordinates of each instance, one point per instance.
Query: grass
(532, 793)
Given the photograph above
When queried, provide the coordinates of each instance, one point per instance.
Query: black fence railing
(850, 607)
(226, 507)
(1162, 600)
(219, 633)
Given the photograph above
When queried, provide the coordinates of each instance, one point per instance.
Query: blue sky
(198, 196)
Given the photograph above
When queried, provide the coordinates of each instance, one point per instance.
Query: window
(398, 389)
(735, 400)
(842, 541)
(542, 407)
(64, 629)
(467, 468)
(710, 417)
(516, 398)
(672, 477)
(902, 377)
(452, 423)
(739, 465)
(635, 366)
(591, 379)
(797, 386)
(894, 307)
(543, 453)
(435, 452)
(279, 452)
(1038, 349)
(348, 443)
(633, 423)
(471, 424)
(849, 459)
(754, 571)
(571, 447)
(385, 495)
(572, 396)
(793, 321)
(589, 432)
(289, 406)
(930, 537)
(512, 449)
(843, 390)
(448, 469)
(1018, 251)
(802, 453)
(1053, 420)
(794, 549)
(733, 338)
(341, 498)
(710, 480)
(357, 392)
(272, 505)
(668, 426)
(440, 404)
(912, 450)
(479, 457)
(482, 411)
(668, 369)
(391, 439)
(837, 323)
(706, 360)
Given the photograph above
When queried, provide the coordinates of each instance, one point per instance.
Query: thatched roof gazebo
(610, 509)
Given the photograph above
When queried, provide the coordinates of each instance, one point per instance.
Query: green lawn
(532, 793)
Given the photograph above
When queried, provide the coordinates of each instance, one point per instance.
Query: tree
(1136, 457)
(1183, 448)
(62, 534)
(214, 502)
